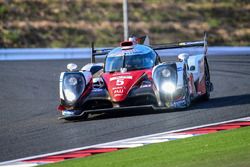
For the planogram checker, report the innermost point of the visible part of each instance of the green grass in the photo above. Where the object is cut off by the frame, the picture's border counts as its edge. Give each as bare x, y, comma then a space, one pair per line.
224, 149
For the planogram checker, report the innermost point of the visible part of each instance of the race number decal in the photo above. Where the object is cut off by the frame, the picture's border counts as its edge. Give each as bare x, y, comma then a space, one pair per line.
119, 82
120, 79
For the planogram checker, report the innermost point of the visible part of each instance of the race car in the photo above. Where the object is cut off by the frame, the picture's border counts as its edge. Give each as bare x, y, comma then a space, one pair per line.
133, 76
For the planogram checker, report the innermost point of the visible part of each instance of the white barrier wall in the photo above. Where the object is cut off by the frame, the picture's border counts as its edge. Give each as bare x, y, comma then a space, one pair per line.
44, 54
80, 53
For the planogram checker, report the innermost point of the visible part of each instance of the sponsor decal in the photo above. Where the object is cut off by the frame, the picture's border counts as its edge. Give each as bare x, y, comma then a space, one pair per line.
128, 52
179, 69
126, 73
168, 104
190, 86
120, 87
118, 91
132, 52
97, 90
121, 77
116, 54
116, 95
180, 102
145, 86
67, 113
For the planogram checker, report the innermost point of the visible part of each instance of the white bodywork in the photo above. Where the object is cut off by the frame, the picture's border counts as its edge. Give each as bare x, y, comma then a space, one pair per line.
88, 66
195, 69
196, 61
180, 66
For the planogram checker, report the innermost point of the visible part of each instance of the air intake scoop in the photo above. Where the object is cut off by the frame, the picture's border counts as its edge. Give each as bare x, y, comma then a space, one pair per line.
127, 45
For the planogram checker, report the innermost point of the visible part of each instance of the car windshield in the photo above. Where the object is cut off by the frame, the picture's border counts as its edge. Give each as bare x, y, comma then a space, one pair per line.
131, 62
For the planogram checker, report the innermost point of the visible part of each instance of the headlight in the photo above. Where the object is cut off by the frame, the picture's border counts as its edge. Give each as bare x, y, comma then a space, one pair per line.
70, 95
72, 81
73, 86
166, 73
168, 87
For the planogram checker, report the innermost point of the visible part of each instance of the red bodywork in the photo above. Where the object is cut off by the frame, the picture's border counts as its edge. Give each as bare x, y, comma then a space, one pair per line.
119, 84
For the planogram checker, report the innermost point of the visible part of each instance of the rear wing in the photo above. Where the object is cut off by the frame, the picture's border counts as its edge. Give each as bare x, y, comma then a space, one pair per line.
202, 43
145, 41
98, 52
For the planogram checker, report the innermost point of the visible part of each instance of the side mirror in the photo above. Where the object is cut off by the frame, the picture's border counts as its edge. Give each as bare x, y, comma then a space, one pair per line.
183, 57
72, 67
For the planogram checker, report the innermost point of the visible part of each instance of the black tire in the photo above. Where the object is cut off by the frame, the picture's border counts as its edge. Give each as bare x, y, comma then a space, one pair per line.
206, 96
186, 91
84, 117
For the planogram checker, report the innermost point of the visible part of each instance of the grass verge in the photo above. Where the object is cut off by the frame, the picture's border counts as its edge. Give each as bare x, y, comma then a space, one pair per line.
225, 149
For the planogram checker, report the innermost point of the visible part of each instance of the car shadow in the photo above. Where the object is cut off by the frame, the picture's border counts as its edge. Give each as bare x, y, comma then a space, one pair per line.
216, 102
219, 102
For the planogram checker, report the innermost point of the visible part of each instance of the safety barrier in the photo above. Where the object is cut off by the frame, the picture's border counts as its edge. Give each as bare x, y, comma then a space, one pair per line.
81, 53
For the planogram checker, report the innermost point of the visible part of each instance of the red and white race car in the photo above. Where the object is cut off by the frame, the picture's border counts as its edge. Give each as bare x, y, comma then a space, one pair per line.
133, 76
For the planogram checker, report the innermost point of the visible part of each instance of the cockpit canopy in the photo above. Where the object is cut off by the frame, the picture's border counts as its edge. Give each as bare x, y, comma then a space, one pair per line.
137, 58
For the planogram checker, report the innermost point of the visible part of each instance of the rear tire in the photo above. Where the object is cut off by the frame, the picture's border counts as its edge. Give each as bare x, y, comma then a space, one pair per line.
208, 83
186, 91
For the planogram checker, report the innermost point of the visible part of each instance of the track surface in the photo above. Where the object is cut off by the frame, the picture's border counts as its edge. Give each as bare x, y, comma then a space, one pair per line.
29, 96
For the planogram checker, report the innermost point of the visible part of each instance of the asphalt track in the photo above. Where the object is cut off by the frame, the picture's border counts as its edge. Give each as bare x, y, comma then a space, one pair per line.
29, 97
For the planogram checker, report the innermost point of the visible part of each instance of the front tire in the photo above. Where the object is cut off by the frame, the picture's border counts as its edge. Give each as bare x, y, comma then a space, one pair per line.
186, 91
82, 117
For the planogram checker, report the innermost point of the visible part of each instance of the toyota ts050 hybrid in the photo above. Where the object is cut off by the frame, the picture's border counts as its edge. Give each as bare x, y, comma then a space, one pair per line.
133, 76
